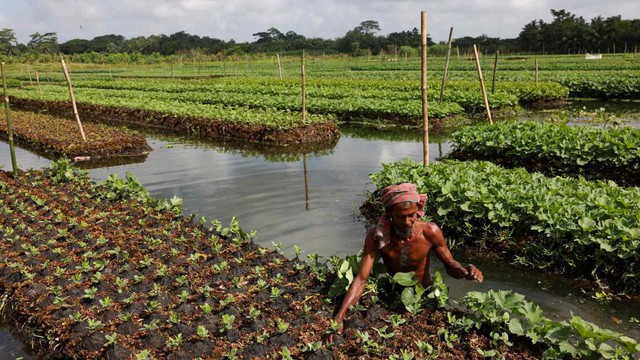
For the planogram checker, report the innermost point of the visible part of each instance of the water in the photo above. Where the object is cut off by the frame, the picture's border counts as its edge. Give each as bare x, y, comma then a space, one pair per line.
312, 200
10, 348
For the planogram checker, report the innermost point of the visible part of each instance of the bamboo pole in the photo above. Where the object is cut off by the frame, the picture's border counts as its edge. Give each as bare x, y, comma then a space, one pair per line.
495, 70
304, 90
38, 82
73, 99
30, 78
536, 62
423, 88
279, 66
446, 66
14, 164
484, 90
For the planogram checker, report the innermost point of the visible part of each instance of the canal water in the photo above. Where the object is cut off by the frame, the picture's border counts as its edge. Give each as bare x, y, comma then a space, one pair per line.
311, 200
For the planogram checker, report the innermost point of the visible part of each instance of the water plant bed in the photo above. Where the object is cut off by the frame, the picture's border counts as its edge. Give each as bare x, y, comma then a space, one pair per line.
56, 136
105, 271
555, 149
313, 132
586, 229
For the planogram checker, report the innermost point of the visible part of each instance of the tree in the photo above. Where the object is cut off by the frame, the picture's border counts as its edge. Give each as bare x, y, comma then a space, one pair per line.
361, 39
46, 43
368, 27
7, 41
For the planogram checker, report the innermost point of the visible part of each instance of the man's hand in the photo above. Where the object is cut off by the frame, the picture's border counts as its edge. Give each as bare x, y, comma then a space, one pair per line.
473, 273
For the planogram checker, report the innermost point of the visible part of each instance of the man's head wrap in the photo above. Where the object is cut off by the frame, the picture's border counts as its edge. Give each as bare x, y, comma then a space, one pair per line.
392, 195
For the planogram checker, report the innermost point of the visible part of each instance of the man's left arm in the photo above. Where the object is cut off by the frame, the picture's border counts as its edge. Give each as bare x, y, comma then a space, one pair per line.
434, 235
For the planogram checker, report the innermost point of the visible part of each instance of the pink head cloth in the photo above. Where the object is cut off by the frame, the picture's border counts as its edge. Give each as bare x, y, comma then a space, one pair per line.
397, 194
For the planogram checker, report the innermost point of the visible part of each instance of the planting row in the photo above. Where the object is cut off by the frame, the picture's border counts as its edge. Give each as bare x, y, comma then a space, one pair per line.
55, 137
120, 111
555, 149
236, 100
584, 229
105, 271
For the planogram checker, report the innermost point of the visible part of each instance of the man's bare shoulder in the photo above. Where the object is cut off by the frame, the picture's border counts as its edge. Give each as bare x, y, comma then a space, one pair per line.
429, 230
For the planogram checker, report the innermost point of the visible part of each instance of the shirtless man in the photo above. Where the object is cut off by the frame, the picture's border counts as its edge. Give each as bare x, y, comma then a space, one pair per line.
404, 244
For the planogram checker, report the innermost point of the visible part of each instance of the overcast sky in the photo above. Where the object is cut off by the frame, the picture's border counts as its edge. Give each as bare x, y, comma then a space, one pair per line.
239, 19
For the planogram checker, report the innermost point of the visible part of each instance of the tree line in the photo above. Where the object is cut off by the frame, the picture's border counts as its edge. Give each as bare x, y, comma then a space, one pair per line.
566, 33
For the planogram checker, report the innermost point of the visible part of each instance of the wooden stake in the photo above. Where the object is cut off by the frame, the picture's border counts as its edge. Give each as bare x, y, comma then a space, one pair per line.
484, 90
38, 82
446, 67
304, 90
536, 62
495, 70
425, 104
9, 123
30, 79
73, 99
279, 66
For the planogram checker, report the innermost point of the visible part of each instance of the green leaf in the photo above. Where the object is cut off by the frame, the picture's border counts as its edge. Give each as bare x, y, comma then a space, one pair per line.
405, 279
587, 224
515, 326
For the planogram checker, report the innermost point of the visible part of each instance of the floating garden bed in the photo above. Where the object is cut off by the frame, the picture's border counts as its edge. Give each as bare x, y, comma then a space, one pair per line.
384, 101
187, 122
105, 271
586, 229
555, 149
55, 137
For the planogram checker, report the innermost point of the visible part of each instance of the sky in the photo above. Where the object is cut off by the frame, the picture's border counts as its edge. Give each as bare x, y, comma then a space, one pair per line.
328, 19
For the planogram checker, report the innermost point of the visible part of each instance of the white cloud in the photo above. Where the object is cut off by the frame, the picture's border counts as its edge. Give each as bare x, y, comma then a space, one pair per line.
239, 19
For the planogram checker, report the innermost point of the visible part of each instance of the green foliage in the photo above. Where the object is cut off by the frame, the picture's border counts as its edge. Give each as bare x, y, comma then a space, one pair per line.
580, 227
115, 188
62, 171
504, 310
562, 148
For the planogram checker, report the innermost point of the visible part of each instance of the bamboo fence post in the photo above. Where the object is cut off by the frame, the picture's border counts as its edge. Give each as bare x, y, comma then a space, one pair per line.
14, 164
446, 67
279, 66
423, 88
38, 82
73, 99
495, 69
484, 90
304, 90
536, 64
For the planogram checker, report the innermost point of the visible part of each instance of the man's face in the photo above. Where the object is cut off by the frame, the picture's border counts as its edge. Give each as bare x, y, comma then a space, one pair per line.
403, 216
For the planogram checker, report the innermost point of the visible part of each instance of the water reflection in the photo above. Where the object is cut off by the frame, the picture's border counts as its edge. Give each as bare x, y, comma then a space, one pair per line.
306, 182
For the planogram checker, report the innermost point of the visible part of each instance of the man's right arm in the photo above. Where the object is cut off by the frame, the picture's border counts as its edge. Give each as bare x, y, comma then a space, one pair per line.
360, 281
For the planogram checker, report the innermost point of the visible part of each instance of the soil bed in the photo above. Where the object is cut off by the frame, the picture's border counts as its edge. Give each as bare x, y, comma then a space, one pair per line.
55, 137
191, 126
105, 271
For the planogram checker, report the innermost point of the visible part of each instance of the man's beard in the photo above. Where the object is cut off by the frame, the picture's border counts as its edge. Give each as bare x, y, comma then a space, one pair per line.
405, 234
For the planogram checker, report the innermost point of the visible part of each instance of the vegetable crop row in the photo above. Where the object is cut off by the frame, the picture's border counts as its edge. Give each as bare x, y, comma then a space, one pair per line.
574, 226
556, 149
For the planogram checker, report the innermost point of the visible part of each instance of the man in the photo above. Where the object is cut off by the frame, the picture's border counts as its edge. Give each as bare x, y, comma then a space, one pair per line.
404, 244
